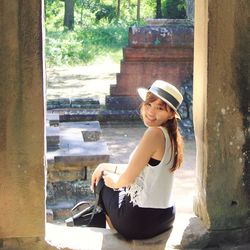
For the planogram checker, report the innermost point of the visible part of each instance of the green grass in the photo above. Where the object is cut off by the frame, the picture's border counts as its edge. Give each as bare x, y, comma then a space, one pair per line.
83, 46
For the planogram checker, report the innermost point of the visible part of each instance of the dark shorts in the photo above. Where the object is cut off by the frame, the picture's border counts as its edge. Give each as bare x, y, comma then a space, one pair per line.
134, 222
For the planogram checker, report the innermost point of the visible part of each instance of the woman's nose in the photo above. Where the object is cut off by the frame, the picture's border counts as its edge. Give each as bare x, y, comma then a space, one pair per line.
151, 110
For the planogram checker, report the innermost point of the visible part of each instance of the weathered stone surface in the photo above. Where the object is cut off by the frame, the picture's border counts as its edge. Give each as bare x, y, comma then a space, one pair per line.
52, 137
84, 103
65, 194
127, 83
22, 123
126, 102
221, 111
91, 131
72, 103
74, 152
52, 119
49, 215
155, 52
196, 236
58, 103
175, 34
55, 175
100, 115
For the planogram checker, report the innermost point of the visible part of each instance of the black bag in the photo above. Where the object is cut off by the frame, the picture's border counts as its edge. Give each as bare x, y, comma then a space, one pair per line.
92, 216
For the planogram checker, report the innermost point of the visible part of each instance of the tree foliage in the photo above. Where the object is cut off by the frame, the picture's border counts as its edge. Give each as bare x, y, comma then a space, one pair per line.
97, 27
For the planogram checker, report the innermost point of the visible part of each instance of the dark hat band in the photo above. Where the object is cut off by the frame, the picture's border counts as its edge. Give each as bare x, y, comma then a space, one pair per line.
166, 96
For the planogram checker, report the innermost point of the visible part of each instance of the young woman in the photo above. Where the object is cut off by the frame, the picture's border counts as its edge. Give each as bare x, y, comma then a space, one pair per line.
137, 197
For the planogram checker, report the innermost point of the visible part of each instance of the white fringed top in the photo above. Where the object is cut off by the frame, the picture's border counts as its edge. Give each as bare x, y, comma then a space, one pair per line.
153, 187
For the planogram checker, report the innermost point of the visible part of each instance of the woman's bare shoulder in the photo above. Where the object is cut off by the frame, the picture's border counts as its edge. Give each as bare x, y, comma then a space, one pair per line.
154, 133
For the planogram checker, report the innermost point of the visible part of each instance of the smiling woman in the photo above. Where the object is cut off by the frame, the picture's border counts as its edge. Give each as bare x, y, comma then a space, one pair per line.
137, 197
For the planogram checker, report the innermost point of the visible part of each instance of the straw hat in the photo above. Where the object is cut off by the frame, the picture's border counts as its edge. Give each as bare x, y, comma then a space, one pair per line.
166, 92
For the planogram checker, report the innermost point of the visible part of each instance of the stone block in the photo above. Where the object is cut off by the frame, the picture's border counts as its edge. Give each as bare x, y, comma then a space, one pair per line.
170, 35
63, 195
84, 103
91, 131
101, 115
158, 54
53, 119
55, 175
52, 137
49, 215
74, 152
122, 102
58, 103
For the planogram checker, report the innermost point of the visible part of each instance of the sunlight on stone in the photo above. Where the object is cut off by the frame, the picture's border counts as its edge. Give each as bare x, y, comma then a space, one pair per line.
73, 237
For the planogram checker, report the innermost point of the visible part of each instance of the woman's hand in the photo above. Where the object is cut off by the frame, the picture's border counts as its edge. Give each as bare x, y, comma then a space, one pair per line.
110, 179
97, 174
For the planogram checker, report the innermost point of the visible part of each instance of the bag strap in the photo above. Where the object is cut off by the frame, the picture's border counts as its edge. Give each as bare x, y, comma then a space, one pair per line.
79, 204
97, 190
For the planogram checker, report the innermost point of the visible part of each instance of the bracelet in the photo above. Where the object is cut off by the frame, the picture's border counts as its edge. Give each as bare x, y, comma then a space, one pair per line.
115, 169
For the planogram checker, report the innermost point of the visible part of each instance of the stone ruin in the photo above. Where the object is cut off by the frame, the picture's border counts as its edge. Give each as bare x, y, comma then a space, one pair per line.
74, 149
163, 49
221, 122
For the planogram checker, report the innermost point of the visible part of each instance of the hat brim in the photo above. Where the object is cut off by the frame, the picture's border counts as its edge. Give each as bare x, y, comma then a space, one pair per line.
143, 94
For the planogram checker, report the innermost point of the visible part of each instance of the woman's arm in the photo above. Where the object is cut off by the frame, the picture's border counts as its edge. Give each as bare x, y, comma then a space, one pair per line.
152, 142
116, 169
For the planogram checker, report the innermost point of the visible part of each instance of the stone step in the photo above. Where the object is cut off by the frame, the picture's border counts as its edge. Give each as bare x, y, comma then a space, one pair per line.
73, 103
103, 116
106, 239
129, 67
73, 152
158, 54
78, 155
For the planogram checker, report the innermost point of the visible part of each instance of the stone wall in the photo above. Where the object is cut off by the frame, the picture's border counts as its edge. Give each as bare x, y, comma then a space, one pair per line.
221, 117
22, 149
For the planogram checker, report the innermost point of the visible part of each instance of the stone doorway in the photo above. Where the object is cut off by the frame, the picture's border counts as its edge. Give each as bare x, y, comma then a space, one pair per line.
221, 116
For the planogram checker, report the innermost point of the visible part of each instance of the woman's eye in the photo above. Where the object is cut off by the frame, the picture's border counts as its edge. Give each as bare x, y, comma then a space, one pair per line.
160, 108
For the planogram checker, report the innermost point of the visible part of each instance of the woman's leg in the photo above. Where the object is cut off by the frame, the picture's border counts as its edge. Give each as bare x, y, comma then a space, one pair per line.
109, 222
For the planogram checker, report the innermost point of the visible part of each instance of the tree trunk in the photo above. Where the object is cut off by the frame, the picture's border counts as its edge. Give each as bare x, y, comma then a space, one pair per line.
118, 8
138, 9
69, 14
158, 9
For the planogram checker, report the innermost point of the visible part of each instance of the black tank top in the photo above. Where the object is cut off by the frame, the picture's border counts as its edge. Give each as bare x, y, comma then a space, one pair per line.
153, 162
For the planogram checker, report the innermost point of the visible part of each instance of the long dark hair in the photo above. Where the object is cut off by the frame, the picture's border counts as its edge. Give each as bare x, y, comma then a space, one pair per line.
174, 134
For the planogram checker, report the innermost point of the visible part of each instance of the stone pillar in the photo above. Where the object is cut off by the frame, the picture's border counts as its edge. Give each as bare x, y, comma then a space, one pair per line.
22, 195
221, 117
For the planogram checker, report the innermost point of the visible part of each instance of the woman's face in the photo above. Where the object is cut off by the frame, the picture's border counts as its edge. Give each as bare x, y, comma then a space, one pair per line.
155, 112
